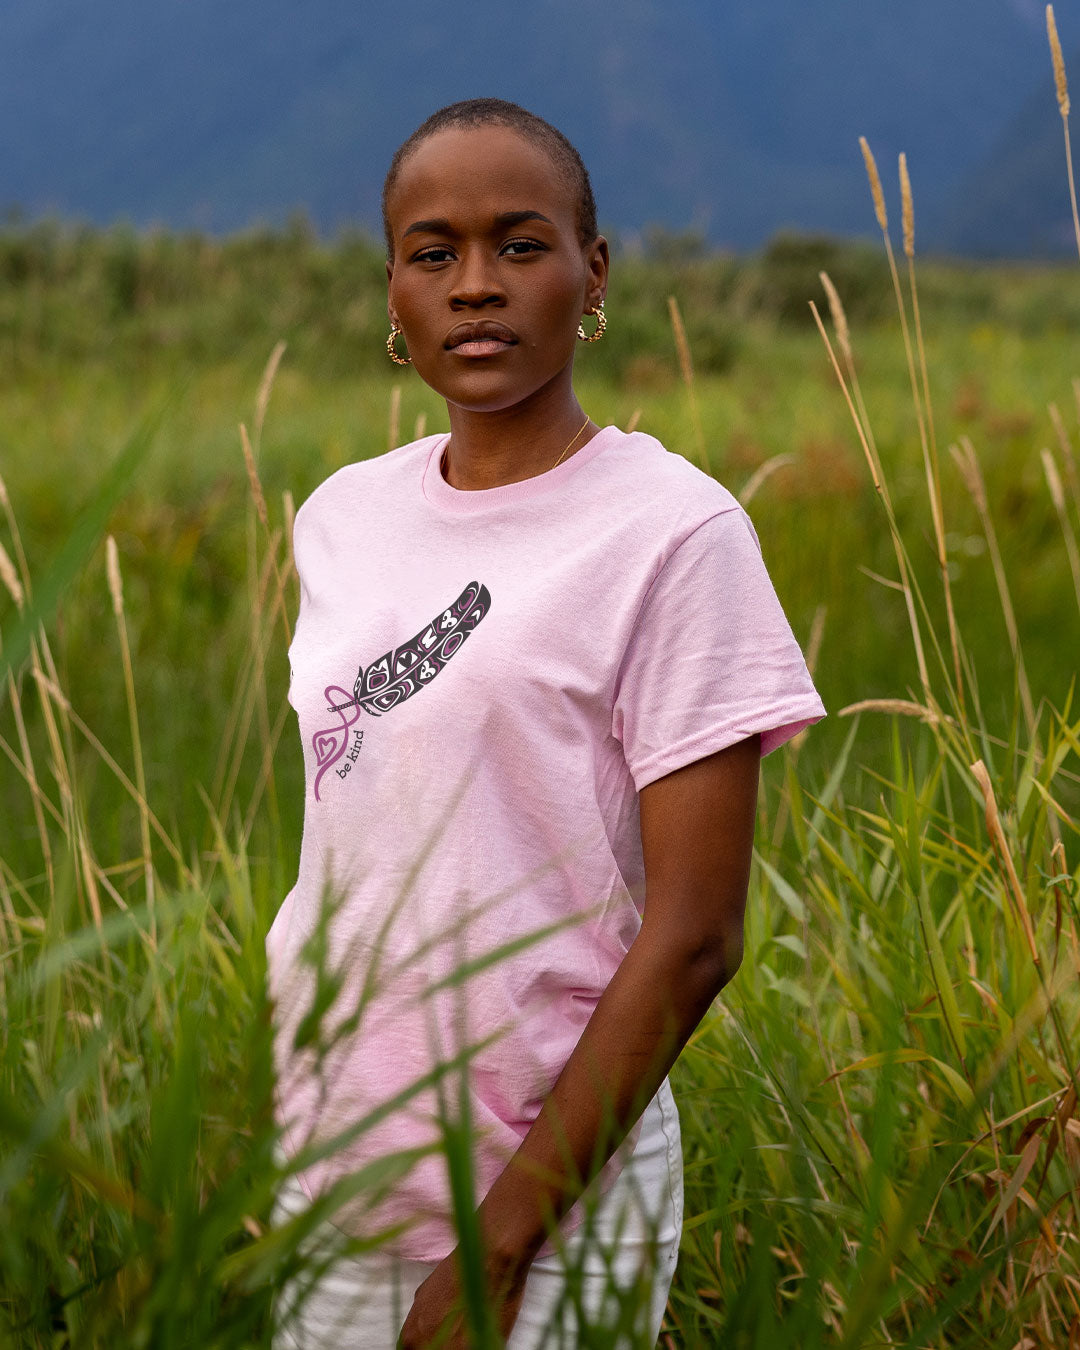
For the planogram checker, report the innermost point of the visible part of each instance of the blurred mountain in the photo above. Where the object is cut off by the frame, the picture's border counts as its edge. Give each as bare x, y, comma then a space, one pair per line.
1015, 201
733, 120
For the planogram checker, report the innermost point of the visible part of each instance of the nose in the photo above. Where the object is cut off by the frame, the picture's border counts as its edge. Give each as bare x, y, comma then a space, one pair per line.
476, 282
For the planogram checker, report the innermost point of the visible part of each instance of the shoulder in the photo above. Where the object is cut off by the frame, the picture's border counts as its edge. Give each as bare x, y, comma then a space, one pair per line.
364, 482
663, 491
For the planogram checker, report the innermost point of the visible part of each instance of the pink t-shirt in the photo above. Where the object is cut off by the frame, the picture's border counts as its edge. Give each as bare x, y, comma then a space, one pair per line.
484, 682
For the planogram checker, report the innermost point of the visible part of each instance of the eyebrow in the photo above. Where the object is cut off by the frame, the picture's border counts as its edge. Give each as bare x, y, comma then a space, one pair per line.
441, 225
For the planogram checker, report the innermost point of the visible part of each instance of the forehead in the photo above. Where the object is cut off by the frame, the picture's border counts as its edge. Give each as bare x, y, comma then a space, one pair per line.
470, 171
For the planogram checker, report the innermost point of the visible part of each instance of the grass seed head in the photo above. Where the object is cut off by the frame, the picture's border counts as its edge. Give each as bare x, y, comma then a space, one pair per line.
112, 571
875, 184
1053, 480
908, 207
10, 578
839, 318
262, 399
682, 345
289, 508
1059, 62
253, 476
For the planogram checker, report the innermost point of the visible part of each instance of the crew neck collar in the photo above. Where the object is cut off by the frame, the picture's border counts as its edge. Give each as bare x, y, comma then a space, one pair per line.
465, 502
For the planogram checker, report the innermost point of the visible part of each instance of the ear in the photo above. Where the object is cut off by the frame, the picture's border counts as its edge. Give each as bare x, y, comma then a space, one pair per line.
597, 262
389, 279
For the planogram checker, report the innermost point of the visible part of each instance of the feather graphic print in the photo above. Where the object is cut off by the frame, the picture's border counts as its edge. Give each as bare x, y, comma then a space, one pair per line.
398, 674
402, 672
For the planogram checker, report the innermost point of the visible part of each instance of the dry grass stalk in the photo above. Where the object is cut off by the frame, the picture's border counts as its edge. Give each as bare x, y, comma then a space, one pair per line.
843, 334
1067, 456
871, 457
263, 514
813, 651
251, 684
686, 369
289, 509
1057, 496
393, 429
40, 800
1059, 62
112, 573
266, 768
761, 475
60, 698
262, 398
1060, 872
16, 537
116, 590
1049, 990
817, 636
253, 478
20, 590
682, 345
927, 434
261, 630
420, 426
839, 318
10, 578
875, 184
251, 679
879, 208
1001, 848
54, 717
968, 463
899, 706
882, 490
634, 421
239, 704
67, 818
90, 882
24, 761
1062, 87
908, 207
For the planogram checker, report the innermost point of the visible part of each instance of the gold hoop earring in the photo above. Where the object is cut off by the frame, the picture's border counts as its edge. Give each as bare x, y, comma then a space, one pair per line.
397, 360
601, 323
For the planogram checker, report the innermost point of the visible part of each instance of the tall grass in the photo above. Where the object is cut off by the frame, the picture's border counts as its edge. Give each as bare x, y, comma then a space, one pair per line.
881, 1115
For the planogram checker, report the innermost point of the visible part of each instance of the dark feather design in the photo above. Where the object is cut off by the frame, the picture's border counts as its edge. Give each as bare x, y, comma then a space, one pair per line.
401, 672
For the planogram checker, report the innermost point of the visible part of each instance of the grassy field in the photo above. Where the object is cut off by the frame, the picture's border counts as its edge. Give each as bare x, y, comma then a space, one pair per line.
880, 1116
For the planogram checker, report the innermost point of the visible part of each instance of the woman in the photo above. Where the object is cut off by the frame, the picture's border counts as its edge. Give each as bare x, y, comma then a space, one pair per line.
535, 667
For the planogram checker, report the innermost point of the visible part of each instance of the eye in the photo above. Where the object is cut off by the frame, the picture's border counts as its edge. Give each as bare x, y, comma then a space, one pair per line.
437, 253
517, 247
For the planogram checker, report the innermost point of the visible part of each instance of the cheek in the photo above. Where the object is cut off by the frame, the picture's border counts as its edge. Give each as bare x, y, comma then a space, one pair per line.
560, 306
407, 303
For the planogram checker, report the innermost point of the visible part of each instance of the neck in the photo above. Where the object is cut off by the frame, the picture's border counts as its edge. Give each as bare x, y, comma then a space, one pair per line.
491, 449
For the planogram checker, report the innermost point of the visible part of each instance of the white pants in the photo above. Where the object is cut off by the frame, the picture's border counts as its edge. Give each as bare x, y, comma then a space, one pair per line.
626, 1258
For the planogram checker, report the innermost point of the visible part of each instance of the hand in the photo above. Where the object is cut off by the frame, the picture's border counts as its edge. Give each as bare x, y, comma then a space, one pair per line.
437, 1316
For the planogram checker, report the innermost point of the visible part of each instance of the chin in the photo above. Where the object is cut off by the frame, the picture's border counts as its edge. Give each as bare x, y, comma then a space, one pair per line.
491, 390
480, 394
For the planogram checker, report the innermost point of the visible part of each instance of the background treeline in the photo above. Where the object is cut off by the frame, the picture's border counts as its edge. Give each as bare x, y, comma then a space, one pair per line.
76, 291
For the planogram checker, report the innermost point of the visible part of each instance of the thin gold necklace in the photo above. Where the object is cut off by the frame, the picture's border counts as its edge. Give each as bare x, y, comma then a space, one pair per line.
444, 462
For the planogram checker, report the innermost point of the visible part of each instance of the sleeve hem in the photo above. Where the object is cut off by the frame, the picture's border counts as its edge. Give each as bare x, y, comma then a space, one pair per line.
775, 727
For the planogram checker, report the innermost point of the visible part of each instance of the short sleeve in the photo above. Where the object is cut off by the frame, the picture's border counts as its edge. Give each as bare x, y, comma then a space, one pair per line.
712, 658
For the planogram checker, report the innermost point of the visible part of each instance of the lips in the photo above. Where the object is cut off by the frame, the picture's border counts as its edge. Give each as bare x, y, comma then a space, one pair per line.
480, 338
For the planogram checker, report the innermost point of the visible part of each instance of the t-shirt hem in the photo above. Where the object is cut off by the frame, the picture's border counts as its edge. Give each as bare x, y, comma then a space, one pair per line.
775, 728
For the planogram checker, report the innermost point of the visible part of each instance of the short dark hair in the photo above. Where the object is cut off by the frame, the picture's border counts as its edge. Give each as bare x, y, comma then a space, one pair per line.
481, 112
